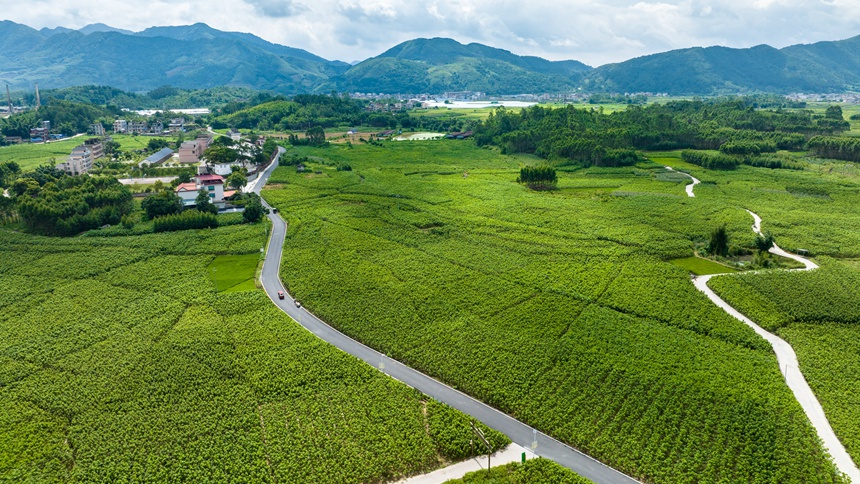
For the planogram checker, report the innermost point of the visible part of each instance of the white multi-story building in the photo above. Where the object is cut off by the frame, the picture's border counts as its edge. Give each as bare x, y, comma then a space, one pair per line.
120, 126
139, 127
79, 161
96, 148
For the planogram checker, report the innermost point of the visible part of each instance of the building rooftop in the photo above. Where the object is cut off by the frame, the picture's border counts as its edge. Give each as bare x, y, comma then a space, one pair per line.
159, 155
187, 187
215, 179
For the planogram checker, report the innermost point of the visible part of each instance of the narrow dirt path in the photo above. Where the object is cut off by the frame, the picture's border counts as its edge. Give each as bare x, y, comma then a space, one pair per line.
689, 187
788, 365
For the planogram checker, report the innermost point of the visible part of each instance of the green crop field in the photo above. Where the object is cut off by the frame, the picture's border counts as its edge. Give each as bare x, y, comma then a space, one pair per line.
234, 272
29, 156
560, 307
120, 363
702, 267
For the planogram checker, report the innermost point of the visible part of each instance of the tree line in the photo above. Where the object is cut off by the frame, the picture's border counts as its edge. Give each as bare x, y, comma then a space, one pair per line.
588, 137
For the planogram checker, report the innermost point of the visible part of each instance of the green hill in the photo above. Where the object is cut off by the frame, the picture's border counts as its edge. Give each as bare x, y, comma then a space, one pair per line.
820, 67
199, 57
438, 65
189, 57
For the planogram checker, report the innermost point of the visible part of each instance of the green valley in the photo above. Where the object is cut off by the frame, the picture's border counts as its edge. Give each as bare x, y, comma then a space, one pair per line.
558, 307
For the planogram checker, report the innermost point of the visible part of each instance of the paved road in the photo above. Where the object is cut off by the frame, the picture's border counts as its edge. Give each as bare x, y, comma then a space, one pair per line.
517, 431
789, 367
689, 187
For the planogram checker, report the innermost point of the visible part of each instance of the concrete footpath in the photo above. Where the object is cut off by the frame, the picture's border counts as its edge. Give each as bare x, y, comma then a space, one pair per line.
511, 453
788, 365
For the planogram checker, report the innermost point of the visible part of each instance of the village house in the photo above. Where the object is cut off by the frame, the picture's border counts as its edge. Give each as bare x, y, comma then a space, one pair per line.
176, 125
138, 127
212, 184
120, 126
191, 151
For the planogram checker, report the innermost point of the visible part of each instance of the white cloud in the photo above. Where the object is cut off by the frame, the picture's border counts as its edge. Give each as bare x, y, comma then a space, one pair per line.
593, 32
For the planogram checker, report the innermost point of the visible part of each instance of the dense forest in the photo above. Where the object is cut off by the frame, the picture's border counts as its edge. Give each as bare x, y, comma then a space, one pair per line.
590, 137
303, 112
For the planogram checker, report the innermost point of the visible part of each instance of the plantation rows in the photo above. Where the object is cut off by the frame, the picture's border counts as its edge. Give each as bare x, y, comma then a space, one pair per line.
818, 313
556, 307
118, 363
776, 299
816, 209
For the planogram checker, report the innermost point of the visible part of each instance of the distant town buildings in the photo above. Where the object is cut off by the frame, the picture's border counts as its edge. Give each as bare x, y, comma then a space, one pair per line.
135, 127
42, 133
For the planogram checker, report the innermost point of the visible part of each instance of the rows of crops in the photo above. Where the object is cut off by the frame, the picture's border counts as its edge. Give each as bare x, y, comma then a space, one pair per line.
818, 313
557, 307
119, 363
534, 471
817, 209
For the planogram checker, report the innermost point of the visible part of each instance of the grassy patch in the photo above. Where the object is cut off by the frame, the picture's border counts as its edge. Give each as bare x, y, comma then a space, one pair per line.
701, 267
29, 156
233, 272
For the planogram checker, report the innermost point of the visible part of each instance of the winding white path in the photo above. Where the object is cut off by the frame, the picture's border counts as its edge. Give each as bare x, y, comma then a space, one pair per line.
689, 187
788, 364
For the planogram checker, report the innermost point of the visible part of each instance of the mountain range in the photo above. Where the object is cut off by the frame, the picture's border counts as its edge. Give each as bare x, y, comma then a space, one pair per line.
198, 56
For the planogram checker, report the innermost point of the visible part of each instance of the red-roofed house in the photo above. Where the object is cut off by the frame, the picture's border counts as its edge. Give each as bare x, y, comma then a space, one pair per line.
213, 184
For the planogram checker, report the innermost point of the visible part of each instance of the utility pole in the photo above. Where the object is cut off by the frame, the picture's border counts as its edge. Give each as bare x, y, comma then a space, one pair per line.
482, 439
9, 97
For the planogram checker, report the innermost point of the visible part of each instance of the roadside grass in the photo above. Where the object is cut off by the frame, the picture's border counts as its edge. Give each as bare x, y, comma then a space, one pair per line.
537, 471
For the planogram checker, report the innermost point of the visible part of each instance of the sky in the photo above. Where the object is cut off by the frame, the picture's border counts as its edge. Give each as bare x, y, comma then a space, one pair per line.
596, 33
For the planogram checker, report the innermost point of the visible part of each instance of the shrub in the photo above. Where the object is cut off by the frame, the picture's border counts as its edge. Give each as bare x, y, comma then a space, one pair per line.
189, 219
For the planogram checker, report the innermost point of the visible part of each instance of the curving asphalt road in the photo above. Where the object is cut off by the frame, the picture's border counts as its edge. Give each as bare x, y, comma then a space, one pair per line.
788, 365
517, 431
